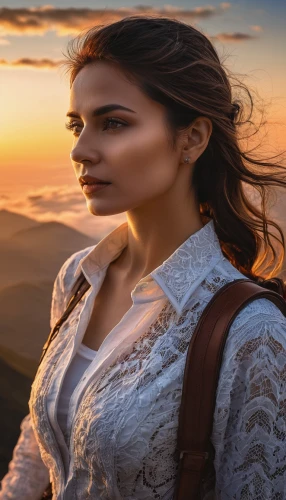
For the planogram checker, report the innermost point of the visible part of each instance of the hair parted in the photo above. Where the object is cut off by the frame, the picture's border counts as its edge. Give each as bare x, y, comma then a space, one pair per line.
176, 65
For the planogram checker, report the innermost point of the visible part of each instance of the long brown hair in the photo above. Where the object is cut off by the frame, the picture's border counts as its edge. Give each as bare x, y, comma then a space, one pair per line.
176, 65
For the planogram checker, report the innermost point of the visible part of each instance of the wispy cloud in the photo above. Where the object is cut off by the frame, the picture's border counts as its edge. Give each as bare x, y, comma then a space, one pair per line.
64, 204
233, 37
25, 62
39, 20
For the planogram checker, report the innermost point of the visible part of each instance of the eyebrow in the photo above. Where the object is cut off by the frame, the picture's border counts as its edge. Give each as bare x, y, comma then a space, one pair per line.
101, 111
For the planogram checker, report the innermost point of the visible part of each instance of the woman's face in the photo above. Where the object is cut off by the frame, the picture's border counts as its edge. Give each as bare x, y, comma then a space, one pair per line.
129, 149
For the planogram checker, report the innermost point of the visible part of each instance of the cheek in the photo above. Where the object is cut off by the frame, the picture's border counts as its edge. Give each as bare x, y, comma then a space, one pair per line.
145, 177
143, 161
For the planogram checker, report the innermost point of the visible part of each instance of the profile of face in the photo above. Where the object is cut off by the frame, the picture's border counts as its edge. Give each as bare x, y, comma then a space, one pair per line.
127, 148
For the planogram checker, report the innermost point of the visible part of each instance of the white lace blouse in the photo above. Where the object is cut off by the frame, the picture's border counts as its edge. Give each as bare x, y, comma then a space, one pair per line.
123, 414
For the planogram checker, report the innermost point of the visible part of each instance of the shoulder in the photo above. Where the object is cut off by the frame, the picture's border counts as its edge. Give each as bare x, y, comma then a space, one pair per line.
257, 336
254, 357
259, 323
255, 348
64, 282
259, 320
249, 418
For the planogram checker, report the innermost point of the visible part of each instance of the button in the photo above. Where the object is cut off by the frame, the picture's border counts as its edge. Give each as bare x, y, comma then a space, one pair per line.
142, 286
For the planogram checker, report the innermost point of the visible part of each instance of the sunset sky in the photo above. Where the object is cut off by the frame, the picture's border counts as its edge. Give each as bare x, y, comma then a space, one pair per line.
36, 174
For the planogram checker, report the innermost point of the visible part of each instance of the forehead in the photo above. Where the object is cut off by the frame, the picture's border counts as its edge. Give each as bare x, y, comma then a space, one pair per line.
101, 83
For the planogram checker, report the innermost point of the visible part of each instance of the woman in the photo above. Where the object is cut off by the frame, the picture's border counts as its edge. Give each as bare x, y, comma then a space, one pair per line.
153, 118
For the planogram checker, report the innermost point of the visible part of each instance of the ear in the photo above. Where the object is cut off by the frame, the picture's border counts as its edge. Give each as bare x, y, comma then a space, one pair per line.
196, 138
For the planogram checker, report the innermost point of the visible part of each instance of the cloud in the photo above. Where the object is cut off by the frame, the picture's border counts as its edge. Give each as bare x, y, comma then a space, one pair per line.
39, 20
64, 21
225, 5
27, 62
64, 204
45, 63
233, 37
256, 28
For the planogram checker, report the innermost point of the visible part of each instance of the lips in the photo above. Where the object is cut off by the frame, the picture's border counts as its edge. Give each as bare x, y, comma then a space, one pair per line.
94, 183
90, 179
93, 188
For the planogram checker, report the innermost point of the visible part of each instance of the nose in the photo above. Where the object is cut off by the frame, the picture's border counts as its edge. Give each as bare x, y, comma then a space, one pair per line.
74, 156
77, 156
83, 151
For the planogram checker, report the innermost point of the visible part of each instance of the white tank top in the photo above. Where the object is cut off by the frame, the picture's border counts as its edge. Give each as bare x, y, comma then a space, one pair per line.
79, 364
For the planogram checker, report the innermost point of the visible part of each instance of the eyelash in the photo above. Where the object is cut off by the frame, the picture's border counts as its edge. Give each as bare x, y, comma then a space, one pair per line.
71, 125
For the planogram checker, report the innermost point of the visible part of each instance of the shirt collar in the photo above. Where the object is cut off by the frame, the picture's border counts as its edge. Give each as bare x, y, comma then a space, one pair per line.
178, 276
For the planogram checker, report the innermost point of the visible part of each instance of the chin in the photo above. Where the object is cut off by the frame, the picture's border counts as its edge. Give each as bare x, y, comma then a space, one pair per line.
101, 210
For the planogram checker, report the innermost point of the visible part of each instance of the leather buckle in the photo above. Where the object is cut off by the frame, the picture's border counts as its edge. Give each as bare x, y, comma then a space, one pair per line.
193, 460
203, 454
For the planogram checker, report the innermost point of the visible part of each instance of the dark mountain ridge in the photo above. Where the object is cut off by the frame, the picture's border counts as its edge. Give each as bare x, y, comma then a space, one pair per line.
15, 391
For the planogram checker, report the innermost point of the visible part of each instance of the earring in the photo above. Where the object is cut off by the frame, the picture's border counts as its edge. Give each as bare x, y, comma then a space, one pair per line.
187, 160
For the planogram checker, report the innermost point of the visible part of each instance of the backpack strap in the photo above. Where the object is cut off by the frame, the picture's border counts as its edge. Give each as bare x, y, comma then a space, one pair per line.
201, 376
79, 288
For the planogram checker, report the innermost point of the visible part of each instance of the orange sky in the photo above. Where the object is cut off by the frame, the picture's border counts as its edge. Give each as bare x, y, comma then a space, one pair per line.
34, 144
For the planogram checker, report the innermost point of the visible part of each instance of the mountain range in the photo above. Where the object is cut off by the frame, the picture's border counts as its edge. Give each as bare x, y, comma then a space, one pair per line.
30, 258
33, 251
31, 254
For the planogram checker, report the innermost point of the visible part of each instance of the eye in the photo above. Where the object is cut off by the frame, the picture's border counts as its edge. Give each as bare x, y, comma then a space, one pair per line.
74, 126
112, 120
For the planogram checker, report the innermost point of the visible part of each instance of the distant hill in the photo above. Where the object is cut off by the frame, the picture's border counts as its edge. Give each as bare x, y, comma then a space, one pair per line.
47, 235
12, 222
22, 264
31, 254
29, 262
25, 318
37, 253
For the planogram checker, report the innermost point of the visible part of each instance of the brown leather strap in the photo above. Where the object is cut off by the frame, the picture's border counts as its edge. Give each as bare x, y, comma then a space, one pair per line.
80, 287
201, 378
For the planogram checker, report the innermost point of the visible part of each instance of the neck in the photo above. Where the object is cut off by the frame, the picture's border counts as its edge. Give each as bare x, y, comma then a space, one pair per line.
155, 232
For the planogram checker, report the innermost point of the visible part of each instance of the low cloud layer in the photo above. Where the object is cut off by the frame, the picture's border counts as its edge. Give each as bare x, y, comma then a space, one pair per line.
67, 205
234, 37
62, 204
39, 20
28, 62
